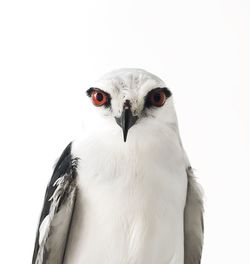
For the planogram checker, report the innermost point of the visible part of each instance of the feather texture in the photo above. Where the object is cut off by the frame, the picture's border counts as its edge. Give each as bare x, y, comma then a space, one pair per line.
57, 212
193, 221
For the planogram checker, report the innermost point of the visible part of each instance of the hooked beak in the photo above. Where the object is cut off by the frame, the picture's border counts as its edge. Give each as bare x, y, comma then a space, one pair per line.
126, 120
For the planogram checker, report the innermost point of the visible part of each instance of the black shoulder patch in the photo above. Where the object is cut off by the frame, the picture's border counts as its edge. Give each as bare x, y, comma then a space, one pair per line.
65, 165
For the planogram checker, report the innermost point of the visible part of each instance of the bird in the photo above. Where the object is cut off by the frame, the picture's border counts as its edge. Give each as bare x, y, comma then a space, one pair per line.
123, 191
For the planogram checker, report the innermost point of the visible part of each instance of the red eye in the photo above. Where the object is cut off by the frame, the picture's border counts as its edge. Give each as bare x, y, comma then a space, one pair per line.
157, 97
98, 98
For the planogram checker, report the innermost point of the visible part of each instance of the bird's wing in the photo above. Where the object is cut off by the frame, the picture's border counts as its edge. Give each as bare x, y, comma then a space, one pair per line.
193, 221
57, 212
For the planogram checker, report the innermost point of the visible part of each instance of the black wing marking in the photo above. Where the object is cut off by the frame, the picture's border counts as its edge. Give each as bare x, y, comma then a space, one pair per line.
57, 211
193, 221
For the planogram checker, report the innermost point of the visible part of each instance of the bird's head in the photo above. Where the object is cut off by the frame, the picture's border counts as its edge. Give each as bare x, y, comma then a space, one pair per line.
131, 98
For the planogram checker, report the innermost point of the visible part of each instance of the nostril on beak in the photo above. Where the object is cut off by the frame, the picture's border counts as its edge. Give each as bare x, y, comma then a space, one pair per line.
127, 105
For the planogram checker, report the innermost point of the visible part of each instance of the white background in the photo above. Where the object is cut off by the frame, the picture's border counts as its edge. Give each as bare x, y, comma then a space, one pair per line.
51, 50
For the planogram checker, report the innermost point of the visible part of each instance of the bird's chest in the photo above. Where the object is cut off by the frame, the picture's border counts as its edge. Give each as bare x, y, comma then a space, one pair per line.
129, 209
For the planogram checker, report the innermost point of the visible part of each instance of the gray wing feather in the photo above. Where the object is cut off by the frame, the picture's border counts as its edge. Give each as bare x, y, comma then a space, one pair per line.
55, 226
193, 221
55, 219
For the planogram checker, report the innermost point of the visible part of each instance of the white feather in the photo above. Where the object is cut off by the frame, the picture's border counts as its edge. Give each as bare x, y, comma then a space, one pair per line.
132, 195
43, 228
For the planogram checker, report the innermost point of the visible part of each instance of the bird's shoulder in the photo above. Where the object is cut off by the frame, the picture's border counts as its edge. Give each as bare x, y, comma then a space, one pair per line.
66, 165
59, 187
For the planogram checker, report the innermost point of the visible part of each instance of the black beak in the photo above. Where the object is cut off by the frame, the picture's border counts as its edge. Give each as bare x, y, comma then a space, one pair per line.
126, 120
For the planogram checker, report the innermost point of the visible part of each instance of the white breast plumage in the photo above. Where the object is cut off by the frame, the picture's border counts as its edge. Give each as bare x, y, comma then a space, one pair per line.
130, 203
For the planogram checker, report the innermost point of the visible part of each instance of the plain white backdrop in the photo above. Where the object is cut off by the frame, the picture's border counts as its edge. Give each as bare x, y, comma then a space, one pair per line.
50, 51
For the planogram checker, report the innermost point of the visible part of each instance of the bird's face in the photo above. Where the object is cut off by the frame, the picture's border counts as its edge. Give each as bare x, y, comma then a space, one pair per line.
132, 98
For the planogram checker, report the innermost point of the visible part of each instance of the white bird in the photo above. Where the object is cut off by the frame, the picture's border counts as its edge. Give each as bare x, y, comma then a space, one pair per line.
123, 198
